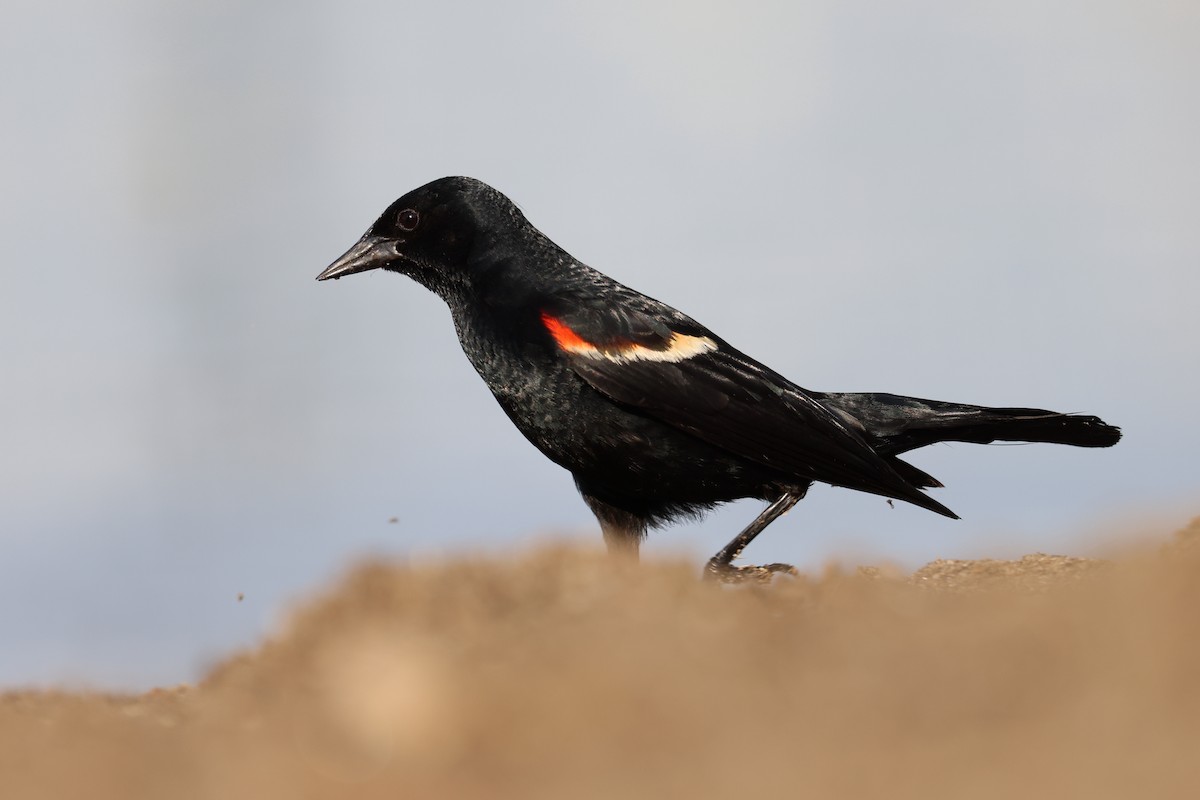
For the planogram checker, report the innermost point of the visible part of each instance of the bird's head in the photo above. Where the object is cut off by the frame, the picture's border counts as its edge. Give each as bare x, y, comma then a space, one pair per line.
430, 233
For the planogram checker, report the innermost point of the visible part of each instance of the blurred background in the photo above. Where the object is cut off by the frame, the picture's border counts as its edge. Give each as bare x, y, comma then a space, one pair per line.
994, 202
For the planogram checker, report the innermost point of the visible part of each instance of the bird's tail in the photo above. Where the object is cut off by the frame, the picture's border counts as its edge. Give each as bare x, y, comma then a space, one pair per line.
896, 424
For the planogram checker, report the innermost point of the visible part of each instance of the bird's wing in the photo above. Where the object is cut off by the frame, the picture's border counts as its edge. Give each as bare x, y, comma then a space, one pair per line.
682, 374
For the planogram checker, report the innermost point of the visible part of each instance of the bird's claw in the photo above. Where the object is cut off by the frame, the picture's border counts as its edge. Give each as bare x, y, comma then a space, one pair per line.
728, 573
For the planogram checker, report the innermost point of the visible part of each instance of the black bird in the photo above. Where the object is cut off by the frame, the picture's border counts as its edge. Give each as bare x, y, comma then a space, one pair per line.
656, 416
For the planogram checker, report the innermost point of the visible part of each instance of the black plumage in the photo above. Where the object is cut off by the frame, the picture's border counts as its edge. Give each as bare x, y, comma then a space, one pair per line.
655, 415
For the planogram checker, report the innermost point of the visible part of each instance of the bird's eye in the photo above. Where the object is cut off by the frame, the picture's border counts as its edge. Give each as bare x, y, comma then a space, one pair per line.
408, 219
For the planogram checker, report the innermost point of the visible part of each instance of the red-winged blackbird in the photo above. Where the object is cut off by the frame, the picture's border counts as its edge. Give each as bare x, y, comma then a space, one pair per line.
656, 416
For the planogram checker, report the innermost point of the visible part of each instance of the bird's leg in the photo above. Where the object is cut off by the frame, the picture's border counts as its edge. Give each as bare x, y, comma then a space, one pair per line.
622, 542
623, 532
720, 567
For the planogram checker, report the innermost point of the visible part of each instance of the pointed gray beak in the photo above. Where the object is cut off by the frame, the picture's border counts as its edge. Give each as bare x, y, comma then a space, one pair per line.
369, 252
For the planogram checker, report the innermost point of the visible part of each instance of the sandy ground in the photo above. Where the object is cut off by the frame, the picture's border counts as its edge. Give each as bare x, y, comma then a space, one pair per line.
560, 675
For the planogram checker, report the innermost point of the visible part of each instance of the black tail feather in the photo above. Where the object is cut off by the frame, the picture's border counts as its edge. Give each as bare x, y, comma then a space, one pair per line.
896, 424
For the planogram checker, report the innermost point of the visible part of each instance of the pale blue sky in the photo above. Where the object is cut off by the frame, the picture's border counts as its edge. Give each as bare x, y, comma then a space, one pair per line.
988, 202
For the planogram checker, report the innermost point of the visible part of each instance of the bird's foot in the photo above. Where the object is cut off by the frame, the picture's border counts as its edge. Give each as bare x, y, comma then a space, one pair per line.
727, 573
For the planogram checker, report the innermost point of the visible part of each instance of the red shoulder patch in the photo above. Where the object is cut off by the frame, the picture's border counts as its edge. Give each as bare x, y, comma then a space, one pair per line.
679, 347
566, 338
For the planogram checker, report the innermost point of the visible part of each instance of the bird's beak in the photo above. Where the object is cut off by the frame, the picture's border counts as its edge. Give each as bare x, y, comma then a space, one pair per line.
369, 252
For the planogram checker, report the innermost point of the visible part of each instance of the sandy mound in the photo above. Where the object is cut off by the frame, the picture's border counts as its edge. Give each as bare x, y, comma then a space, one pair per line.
561, 675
